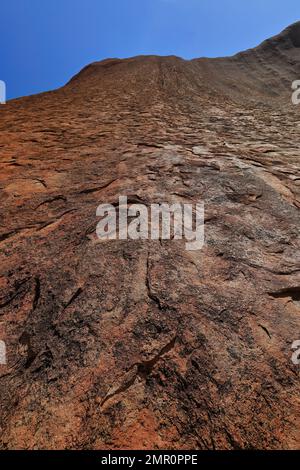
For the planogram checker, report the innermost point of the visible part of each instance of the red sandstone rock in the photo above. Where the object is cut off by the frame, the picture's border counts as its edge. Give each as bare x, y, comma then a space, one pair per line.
142, 344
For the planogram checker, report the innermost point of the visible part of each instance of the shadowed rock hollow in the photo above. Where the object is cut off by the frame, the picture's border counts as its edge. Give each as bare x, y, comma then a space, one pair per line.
142, 344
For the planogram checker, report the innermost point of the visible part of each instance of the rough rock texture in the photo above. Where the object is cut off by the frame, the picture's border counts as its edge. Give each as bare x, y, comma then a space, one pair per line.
142, 344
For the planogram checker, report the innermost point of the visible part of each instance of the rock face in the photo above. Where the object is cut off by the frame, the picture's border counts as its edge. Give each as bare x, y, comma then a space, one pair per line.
143, 344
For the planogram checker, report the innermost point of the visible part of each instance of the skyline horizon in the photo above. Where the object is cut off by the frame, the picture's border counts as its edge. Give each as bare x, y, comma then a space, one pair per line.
152, 55
52, 42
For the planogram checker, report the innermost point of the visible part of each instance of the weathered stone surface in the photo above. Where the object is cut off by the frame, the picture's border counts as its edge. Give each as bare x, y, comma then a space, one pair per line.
142, 344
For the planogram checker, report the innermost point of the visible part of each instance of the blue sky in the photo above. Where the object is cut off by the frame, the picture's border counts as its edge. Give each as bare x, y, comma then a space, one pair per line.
45, 42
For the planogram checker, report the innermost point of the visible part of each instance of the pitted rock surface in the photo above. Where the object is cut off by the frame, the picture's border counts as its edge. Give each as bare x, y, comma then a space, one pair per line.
143, 344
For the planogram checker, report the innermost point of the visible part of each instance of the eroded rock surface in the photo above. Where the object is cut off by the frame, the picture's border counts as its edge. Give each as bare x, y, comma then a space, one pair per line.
142, 344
